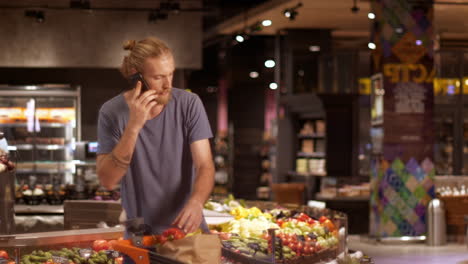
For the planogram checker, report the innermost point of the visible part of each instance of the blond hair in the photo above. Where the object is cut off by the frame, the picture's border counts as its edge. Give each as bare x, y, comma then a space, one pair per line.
139, 51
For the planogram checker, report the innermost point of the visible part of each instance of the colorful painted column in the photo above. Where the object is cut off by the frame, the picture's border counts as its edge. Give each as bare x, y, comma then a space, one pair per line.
402, 176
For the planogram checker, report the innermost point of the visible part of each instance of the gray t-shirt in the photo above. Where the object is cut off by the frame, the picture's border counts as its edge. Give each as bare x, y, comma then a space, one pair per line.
161, 174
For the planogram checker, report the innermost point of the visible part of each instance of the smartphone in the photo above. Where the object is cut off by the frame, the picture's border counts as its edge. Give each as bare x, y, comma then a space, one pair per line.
138, 77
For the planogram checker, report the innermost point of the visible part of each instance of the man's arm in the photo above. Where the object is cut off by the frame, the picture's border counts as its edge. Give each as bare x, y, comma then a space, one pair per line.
112, 167
190, 217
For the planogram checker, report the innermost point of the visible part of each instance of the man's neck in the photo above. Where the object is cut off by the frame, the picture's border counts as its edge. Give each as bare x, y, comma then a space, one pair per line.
156, 110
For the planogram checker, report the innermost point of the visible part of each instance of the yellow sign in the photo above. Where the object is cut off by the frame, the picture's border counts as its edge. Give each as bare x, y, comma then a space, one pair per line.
408, 73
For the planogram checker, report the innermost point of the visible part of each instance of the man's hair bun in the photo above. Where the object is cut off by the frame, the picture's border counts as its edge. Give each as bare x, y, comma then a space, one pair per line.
129, 45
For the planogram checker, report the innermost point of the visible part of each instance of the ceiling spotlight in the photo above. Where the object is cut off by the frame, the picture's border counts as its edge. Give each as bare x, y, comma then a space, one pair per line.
371, 15
36, 14
291, 13
355, 8
253, 74
273, 86
239, 38
270, 63
156, 15
371, 45
314, 48
266, 23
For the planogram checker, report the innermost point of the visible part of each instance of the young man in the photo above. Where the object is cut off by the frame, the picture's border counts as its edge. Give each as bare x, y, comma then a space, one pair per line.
156, 143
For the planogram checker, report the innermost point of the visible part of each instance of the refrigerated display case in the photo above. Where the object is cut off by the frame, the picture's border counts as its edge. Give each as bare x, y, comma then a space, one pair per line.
41, 124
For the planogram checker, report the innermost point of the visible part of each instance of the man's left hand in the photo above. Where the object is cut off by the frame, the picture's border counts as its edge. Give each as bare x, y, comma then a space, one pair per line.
190, 218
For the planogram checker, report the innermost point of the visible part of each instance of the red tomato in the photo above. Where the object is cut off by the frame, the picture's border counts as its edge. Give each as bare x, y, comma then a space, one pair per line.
280, 222
174, 233
323, 219
3, 254
293, 246
99, 245
307, 251
299, 246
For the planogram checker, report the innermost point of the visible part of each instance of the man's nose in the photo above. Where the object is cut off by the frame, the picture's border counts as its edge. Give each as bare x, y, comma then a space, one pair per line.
167, 82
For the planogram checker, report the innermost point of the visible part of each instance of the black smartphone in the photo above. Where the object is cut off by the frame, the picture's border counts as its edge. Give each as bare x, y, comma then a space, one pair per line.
138, 77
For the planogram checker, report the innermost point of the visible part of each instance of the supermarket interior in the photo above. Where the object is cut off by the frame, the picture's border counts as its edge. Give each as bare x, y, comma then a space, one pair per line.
339, 131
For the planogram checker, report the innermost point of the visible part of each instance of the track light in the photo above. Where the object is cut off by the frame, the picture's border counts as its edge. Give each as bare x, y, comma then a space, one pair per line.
36, 14
291, 13
239, 38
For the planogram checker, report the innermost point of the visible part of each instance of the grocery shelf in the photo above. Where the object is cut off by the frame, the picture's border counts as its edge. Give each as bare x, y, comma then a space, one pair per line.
307, 174
311, 154
23, 171
38, 209
342, 198
44, 124
39, 146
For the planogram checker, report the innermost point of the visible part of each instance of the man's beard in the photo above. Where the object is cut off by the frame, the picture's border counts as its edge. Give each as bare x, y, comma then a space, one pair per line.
165, 99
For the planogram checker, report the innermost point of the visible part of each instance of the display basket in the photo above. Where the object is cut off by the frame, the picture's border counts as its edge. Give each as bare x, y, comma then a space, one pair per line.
456, 207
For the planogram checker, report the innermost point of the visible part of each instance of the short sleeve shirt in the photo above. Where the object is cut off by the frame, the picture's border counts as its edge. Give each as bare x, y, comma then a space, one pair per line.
161, 174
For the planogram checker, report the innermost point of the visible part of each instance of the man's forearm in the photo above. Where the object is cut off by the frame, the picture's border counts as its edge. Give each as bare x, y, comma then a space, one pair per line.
203, 184
113, 166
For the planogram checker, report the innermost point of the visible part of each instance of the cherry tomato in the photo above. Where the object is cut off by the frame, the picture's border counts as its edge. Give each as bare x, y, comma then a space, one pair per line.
3, 254
174, 233
323, 219
99, 245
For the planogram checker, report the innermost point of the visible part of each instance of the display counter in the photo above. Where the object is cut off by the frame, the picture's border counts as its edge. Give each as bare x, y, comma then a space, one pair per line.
325, 230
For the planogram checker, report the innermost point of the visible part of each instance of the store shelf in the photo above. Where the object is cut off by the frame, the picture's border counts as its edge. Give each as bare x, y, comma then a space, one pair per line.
44, 167
39, 146
312, 136
40, 124
311, 155
342, 198
38, 209
49, 171
84, 162
308, 174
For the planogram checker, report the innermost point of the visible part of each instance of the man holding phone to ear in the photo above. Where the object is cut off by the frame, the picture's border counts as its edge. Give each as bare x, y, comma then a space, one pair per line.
155, 142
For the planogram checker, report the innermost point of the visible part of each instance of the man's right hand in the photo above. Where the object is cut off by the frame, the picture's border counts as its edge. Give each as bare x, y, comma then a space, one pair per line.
140, 105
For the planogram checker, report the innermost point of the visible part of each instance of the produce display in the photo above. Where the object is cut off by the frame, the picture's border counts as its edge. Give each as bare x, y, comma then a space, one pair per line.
298, 236
273, 234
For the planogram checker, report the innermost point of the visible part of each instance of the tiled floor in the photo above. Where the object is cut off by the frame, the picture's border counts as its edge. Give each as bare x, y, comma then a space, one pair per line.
410, 253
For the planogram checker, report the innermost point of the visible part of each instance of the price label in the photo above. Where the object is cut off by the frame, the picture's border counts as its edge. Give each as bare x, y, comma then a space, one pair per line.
112, 254
60, 260
85, 253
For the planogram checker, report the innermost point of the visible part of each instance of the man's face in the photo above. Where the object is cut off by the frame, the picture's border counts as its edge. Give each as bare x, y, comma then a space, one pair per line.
158, 73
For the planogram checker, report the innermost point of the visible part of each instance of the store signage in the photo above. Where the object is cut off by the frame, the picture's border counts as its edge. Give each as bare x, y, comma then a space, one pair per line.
417, 73
409, 49
409, 98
